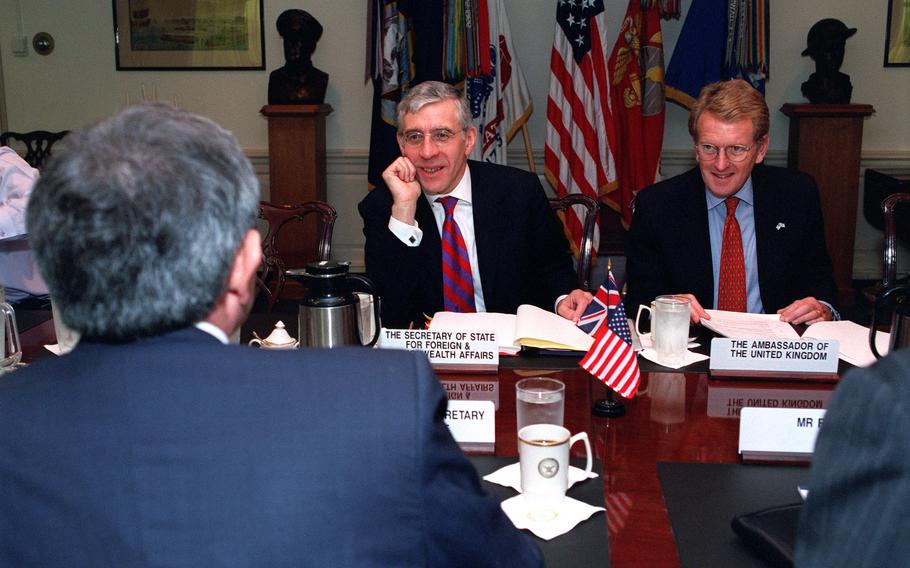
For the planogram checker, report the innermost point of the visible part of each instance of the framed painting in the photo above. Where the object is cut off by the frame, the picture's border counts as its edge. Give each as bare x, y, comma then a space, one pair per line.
897, 34
188, 35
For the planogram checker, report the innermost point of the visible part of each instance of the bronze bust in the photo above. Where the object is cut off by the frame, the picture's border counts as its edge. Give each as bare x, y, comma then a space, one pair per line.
825, 44
298, 82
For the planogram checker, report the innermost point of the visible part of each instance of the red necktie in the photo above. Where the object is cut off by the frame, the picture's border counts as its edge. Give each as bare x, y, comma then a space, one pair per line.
731, 287
457, 283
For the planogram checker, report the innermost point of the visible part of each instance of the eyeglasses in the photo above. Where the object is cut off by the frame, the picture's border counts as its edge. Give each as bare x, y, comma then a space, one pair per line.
734, 153
440, 137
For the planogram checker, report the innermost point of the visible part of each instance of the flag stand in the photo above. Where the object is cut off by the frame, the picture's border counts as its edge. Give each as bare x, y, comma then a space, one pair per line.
528, 150
608, 407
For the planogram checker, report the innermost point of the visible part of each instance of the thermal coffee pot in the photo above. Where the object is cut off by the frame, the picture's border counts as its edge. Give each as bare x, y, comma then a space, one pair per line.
329, 313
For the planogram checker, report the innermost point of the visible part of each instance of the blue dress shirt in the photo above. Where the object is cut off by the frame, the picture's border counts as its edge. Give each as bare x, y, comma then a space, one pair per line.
745, 215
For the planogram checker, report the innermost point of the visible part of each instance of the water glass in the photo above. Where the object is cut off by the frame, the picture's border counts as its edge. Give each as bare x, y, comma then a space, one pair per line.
539, 400
10, 350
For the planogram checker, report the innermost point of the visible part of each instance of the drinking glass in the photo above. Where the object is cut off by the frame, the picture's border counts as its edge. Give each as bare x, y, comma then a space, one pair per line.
10, 350
539, 400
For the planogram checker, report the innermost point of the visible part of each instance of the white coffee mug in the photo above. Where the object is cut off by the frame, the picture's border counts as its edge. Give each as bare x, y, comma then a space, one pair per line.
543, 451
669, 328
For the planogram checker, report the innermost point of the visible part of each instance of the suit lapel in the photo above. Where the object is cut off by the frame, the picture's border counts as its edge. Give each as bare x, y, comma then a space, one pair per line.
489, 214
431, 244
765, 214
701, 266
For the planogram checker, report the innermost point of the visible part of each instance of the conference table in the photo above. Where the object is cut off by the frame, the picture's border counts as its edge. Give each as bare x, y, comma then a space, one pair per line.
682, 423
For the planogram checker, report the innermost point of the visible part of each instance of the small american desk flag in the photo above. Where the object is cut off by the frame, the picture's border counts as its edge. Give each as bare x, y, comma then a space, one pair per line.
611, 358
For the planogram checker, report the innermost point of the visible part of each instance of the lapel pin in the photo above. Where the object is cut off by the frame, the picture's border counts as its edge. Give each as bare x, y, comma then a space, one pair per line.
780, 226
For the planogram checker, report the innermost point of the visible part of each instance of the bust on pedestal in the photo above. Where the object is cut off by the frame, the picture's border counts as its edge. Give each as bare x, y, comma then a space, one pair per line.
825, 44
298, 82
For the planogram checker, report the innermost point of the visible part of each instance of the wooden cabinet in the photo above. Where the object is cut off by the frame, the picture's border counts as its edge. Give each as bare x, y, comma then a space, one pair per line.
825, 141
297, 170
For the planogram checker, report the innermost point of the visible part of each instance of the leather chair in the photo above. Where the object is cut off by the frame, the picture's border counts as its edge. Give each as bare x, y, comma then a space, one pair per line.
272, 278
37, 143
592, 210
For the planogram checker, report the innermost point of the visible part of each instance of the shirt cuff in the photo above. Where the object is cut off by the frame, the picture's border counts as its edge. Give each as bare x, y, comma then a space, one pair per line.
410, 235
835, 315
559, 299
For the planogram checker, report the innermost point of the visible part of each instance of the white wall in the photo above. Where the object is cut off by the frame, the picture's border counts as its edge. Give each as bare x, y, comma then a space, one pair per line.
78, 83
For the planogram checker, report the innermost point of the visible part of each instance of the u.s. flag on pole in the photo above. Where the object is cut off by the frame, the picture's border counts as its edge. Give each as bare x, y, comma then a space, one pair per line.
577, 155
611, 358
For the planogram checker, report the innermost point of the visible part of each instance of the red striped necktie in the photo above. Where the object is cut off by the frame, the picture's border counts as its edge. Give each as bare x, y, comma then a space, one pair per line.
457, 283
731, 285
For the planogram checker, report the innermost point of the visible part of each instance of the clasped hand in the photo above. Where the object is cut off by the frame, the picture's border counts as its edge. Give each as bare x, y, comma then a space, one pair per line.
401, 179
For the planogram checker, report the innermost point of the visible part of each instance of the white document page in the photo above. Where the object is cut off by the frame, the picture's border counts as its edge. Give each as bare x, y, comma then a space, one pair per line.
853, 338
738, 325
540, 328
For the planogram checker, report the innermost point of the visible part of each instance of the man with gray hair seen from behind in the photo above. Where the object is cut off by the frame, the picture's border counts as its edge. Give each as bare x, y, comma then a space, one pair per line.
155, 443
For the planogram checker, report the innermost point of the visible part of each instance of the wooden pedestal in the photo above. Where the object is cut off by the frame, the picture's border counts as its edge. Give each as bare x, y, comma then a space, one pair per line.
825, 141
297, 171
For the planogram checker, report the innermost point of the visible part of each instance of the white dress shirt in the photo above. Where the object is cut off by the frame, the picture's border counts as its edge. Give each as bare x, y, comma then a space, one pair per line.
18, 271
412, 235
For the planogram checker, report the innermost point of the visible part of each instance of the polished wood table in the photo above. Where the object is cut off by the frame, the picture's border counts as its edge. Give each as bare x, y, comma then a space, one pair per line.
675, 417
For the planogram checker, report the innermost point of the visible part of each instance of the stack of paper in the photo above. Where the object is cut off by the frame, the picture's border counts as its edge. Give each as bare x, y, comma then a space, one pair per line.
853, 338
738, 325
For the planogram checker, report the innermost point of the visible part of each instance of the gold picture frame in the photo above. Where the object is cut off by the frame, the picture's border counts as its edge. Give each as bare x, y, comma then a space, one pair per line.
154, 35
897, 34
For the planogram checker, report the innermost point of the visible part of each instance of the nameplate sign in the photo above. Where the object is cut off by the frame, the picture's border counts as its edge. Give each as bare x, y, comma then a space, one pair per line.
472, 424
728, 402
462, 389
808, 358
448, 350
778, 434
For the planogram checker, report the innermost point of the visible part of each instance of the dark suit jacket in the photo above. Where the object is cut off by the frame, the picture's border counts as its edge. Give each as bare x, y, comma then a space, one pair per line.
179, 451
668, 247
858, 510
522, 253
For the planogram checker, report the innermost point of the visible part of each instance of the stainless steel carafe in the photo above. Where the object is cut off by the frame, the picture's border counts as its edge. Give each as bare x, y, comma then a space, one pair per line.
329, 314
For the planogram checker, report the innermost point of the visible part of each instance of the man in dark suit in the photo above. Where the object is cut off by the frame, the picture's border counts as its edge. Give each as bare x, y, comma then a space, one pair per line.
680, 227
155, 443
516, 252
858, 510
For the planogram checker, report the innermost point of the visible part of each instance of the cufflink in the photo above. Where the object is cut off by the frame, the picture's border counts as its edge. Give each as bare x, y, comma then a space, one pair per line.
780, 226
412, 239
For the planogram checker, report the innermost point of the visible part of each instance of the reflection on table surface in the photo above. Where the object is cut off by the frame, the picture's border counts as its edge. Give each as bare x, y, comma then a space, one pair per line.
683, 417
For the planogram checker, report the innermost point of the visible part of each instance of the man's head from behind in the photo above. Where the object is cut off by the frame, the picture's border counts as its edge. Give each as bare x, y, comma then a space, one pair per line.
137, 221
729, 126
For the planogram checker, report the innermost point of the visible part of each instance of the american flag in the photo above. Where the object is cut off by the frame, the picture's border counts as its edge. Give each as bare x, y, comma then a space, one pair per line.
611, 358
577, 156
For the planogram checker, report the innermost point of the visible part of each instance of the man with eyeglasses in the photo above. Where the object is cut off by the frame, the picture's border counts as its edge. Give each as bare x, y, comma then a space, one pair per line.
732, 234
445, 233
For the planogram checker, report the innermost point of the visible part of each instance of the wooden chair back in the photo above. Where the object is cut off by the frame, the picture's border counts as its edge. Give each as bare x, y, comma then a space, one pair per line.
37, 144
272, 278
592, 210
